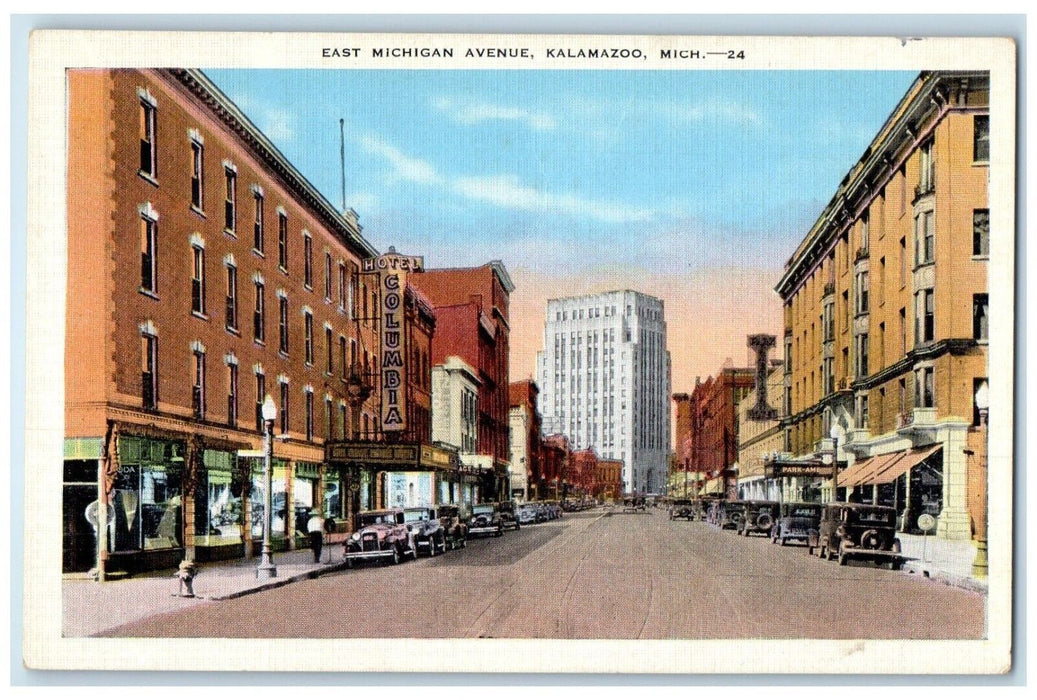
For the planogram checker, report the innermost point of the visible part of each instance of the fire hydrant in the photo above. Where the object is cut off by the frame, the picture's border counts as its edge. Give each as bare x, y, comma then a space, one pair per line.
186, 573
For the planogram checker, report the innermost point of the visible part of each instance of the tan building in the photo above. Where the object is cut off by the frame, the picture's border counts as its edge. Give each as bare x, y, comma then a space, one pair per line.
204, 273
886, 309
759, 441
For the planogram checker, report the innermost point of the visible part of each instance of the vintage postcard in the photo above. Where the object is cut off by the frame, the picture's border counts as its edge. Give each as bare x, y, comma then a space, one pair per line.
520, 353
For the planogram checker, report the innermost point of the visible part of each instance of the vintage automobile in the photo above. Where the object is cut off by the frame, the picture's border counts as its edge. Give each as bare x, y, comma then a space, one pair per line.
758, 517
455, 528
730, 515
508, 516
682, 508
527, 514
426, 530
485, 520
381, 534
796, 522
634, 504
858, 531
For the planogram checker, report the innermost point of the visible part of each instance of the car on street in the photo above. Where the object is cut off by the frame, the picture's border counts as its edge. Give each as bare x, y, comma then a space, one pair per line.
682, 508
634, 504
526, 513
508, 516
858, 531
381, 535
426, 530
758, 517
454, 524
798, 521
730, 515
485, 520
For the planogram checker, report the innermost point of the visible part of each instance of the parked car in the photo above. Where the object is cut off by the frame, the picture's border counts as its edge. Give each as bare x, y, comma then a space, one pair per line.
424, 527
527, 514
731, 514
758, 517
858, 531
634, 504
508, 517
455, 527
485, 520
381, 535
682, 508
796, 522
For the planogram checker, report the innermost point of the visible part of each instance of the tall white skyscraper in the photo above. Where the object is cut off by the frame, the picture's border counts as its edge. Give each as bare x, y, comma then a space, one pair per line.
604, 376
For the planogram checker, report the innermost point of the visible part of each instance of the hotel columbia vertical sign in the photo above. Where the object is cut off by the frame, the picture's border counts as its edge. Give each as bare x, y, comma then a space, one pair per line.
392, 270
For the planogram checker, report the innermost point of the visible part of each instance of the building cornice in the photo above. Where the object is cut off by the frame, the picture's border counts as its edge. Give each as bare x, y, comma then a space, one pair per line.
347, 228
928, 100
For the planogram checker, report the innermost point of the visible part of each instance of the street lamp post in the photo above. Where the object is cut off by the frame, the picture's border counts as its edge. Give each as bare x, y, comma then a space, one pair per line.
979, 566
834, 434
266, 568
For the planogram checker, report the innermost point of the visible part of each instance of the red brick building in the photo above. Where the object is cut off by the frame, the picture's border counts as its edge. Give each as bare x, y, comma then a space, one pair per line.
583, 472
471, 307
609, 481
555, 453
707, 441
204, 273
527, 479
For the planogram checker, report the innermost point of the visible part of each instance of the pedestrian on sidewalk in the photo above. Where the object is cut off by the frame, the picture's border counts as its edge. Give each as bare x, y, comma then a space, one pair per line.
329, 529
315, 528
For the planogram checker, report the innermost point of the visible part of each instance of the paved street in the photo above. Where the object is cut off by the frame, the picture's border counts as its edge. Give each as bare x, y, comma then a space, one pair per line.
596, 575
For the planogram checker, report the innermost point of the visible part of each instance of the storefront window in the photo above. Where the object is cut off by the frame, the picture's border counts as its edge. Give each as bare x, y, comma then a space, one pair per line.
278, 519
217, 504
147, 497
334, 502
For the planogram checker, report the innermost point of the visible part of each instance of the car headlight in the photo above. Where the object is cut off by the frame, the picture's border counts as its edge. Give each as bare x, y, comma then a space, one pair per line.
355, 537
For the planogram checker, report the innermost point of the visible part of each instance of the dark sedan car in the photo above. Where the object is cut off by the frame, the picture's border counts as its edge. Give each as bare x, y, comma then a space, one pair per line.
731, 514
798, 522
682, 508
758, 517
858, 531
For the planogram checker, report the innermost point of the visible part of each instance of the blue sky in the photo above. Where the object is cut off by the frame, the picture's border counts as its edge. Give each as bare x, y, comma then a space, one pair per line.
691, 186
463, 166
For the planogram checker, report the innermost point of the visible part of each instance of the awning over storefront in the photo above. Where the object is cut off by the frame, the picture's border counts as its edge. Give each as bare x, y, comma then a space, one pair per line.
851, 476
906, 461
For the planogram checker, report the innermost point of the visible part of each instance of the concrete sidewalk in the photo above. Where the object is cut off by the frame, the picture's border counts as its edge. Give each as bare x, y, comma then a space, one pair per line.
89, 607
946, 561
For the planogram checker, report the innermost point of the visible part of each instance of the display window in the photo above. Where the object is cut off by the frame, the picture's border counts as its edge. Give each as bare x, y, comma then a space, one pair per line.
147, 498
278, 519
217, 502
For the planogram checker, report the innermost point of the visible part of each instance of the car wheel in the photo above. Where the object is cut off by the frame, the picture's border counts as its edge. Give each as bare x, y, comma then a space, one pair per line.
349, 563
395, 555
464, 542
842, 555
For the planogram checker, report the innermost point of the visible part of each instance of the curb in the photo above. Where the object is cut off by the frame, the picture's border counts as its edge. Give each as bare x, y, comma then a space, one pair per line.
947, 579
277, 583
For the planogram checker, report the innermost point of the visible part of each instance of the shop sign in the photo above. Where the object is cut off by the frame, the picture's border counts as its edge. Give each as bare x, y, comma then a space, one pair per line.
372, 454
791, 469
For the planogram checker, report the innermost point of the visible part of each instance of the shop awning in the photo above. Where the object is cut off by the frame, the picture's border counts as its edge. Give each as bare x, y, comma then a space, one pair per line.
904, 463
867, 468
850, 476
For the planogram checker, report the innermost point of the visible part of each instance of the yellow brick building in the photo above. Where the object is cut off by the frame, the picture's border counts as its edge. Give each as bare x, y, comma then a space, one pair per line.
885, 304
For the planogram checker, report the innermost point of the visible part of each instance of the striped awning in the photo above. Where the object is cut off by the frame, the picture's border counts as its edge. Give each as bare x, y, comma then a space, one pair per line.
907, 461
850, 477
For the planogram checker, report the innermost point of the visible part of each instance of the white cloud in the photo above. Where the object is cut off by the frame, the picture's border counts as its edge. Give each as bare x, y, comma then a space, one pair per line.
507, 191
363, 202
404, 166
716, 108
474, 112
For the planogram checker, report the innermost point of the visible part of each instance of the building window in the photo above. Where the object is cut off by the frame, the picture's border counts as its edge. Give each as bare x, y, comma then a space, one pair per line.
979, 317
230, 204
981, 138
149, 370
341, 287
926, 177
882, 281
862, 412
862, 293
862, 355
307, 263
309, 413
351, 301
282, 240
148, 150
828, 322
308, 327
903, 331
232, 297
284, 408
981, 232
259, 314
925, 238
327, 276
329, 413
925, 330
329, 342
903, 262
977, 419
148, 255
342, 420
924, 387
198, 280
260, 397
232, 393
197, 174
257, 222
282, 303
198, 388
342, 355
864, 232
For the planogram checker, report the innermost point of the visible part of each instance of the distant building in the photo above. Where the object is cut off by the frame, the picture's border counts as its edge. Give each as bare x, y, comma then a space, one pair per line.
760, 442
471, 307
886, 311
455, 404
604, 375
526, 474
